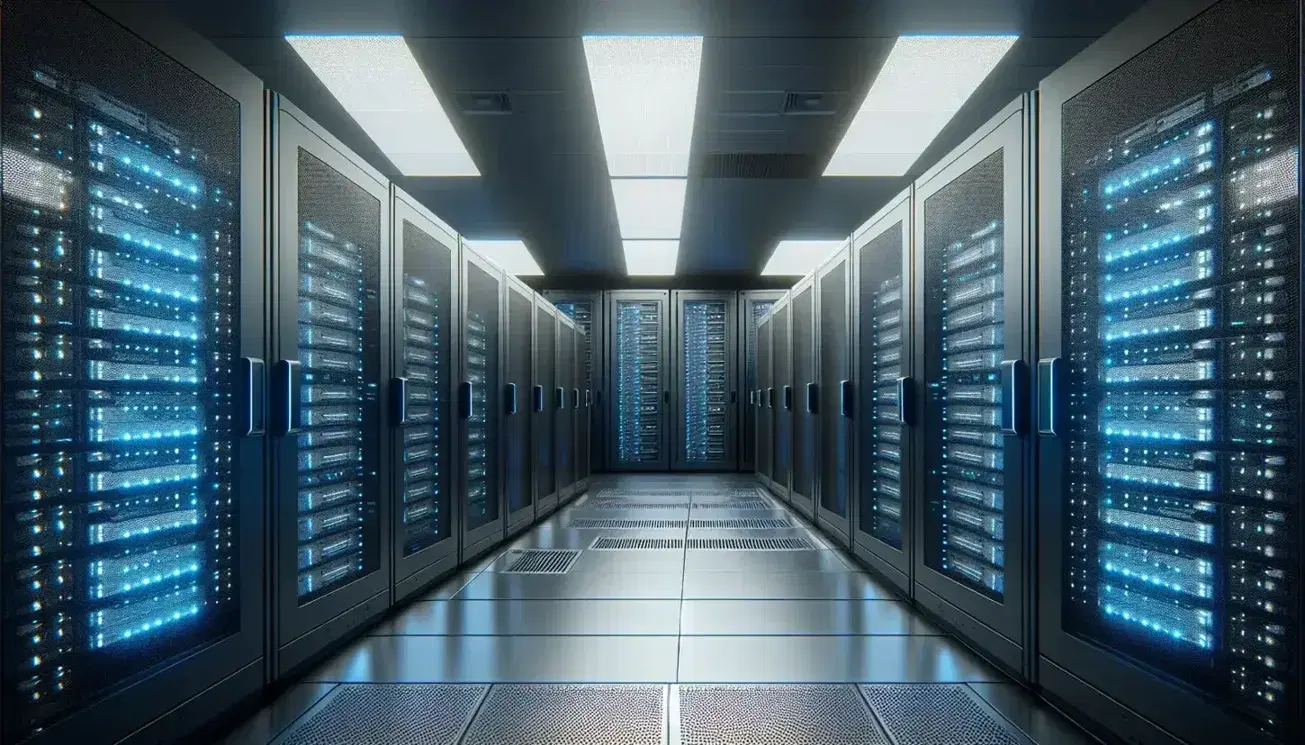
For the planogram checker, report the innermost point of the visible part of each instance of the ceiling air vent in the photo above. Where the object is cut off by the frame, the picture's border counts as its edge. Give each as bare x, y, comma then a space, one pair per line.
484, 102
757, 165
809, 103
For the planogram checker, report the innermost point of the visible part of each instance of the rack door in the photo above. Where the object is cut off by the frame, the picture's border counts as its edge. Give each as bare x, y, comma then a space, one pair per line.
586, 309
836, 395
805, 395
584, 418
518, 481
779, 396
332, 551
705, 397
971, 304
1169, 392
563, 418
541, 407
132, 327
425, 539
480, 401
759, 400
885, 391
753, 306
637, 327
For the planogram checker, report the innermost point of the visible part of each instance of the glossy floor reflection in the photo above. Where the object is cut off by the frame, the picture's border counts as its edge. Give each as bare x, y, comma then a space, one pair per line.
659, 641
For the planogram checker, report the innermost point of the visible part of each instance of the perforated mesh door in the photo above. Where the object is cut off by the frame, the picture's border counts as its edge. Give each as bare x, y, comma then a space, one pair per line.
425, 301
637, 360
752, 314
765, 413
835, 367
582, 312
881, 359
1181, 336
564, 417
541, 433
584, 417
705, 385
517, 423
121, 264
781, 362
805, 432
480, 345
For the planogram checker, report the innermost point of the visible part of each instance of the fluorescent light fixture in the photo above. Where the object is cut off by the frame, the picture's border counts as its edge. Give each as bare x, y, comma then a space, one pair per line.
379, 83
649, 208
920, 88
799, 258
511, 256
650, 258
645, 91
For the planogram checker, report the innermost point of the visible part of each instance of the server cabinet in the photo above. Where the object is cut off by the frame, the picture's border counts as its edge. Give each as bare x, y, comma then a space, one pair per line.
971, 300
759, 399
1169, 390
564, 416
541, 406
480, 402
705, 399
132, 267
637, 327
779, 396
584, 397
518, 354
424, 335
586, 309
884, 391
753, 306
805, 392
834, 482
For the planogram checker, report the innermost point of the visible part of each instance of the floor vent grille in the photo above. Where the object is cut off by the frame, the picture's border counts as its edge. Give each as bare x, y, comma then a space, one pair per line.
743, 523
937, 715
606, 543
618, 524
732, 504
751, 544
375, 714
621, 504
798, 714
556, 714
542, 561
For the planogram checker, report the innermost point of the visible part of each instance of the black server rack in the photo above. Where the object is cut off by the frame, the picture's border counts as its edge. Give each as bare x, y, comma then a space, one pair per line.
834, 373
1170, 387
425, 540
971, 305
705, 408
753, 306
779, 396
132, 269
759, 400
480, 404
586, 309
330, 244
563, 414
884, 391
542, 411
637, 328
803, 399
518, 352
584, 401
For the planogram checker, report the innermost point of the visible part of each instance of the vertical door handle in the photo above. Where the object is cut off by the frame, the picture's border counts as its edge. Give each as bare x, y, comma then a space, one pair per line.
253, 374
538, 392
845, 398
666, 397
465, 390
399, 401
1012, 397
734, 397
510, 397
575, 398
588, 398
788, 398
905, 401
1048, 389
770, 397
290, 407
752, 397
813, 405
559, 398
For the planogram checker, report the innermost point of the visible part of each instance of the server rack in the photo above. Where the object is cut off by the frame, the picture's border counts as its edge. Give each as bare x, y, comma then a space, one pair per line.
586, 309
1170, 386
779, 396
518, 352
637, 328
705, 399
541, 430
132, 422
753, 306
884, 392
802, 398
330, 244
564, 415
425, 541
972, 309
480, 404
759, 399
584, 397
835, 395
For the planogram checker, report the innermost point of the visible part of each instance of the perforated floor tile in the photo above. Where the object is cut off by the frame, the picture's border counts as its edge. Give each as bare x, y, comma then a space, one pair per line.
938, 715
571, 715
775, 715
541, 561
387, 714
607, 543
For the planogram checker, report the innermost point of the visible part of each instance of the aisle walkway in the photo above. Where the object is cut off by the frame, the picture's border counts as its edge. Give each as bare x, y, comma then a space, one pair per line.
658, 609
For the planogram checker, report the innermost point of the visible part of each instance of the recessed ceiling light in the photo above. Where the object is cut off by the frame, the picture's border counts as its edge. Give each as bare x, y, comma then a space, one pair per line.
645, 90
799, 258
379, 83
649, 208
511, 256
650, 258
920, 88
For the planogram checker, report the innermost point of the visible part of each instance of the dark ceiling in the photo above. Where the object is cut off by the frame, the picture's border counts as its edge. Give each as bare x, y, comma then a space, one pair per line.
755, 170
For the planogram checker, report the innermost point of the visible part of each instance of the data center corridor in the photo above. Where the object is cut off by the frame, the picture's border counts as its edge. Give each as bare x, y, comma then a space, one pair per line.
690, 609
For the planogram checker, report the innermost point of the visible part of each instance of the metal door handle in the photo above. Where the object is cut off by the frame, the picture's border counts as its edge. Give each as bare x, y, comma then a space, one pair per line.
1048, 388
559, 398
510, 394
905, 401
538, 392
291, 408
813, 405
752, 397
588, 398
254, 374
770, 397
845, 398
1012, 397
575, 398
465, 391
399, 400
734, 397
788, 398
666, 397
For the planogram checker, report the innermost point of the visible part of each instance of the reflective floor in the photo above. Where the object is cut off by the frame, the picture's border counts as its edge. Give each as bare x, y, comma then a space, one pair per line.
658, 609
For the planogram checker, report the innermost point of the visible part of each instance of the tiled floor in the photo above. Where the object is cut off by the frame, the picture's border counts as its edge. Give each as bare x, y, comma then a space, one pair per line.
676, 644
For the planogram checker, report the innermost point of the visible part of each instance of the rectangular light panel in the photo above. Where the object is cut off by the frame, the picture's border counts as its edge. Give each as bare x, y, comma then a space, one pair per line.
650, 258
511, 256
645, 90
649, 208
799, 258
920, 88
379, 83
